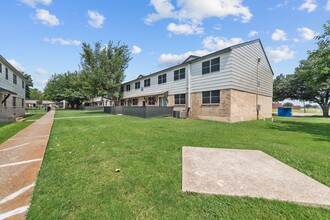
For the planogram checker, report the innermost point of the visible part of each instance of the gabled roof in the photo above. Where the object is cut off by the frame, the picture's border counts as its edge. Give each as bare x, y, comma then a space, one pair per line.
193, 58
190, 58
140, 76
6, 62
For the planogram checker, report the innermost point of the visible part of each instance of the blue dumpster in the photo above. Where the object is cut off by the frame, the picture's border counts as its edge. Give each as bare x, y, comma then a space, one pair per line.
284, 112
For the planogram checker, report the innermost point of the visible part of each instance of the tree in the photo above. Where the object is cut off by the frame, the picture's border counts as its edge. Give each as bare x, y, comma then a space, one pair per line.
36, 94
103, 69
67, 86
311, 79
28, 84
281, 87
308, 106
288, 104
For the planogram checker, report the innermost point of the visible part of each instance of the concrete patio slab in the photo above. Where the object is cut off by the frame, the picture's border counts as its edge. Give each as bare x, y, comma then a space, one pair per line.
248, 173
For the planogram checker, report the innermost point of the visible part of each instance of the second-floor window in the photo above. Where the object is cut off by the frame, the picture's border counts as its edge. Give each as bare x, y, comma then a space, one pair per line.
180, 74
162, 79
122, 89
23, 84
14, 79
137, 85
146, 82
211, 66
6, 73
0, 67
128, 88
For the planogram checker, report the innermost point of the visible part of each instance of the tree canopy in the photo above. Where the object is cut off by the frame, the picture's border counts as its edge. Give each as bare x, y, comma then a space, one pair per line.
103, 68
28, 84
67, 86
311, 79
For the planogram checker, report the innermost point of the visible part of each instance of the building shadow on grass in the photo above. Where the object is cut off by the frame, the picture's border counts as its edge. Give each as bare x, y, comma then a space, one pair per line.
321, 131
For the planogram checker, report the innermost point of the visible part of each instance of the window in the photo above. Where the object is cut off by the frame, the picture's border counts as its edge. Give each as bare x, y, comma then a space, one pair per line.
122, 89
137, 85
180, 99
151, 100
6, 73
211, 97
135, 101
211, 66
128, 87
180, 74
22, 102
14, 101
122, 102
162, 79
14, 79
23, 84
146, 82
0, 67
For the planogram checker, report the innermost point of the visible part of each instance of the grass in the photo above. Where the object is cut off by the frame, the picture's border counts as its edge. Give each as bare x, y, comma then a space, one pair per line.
77, 178
7, 130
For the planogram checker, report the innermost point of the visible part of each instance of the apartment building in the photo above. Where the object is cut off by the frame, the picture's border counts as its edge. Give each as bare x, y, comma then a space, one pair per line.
231, 85
12, 91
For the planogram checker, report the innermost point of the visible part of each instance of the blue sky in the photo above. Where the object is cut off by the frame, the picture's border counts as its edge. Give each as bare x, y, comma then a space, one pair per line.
43, 37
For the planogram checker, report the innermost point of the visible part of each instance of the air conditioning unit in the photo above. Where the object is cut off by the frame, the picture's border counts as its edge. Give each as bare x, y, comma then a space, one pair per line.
179, 114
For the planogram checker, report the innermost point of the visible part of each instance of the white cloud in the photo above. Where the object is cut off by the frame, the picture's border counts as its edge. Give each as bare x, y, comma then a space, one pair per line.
279, 35
96, 19
218, 43
40, 82
41, 71
166, 60
17, 65
33, 3
194, 12
296, 40
185, 29
327, 7
136, 50
46, 18
280, 53
307, 33
253, 33
309, 5
62, 41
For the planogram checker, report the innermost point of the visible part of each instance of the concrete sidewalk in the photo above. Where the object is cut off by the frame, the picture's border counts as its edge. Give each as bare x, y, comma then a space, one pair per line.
20, 160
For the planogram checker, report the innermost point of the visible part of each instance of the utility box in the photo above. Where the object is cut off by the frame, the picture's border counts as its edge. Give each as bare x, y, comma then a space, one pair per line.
284, 112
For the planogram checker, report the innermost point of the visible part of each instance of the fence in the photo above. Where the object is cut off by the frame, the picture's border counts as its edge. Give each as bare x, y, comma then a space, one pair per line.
139, 111
92, 107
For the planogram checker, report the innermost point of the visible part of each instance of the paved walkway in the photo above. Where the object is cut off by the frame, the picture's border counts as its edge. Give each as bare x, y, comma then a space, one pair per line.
20, 160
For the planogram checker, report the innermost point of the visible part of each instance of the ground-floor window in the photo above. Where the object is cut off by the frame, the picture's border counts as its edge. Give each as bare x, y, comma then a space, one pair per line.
151, 100
211, 97
135, 101
122, 102
22, 102
180, 99
14, 101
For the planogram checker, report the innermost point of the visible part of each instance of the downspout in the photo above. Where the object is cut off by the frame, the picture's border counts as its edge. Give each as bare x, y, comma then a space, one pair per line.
189, 89
258, 88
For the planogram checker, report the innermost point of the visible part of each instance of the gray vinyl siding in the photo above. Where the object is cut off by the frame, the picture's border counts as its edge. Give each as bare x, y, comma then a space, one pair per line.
171, 86
212, 81
244, 69
237, 71
9, 85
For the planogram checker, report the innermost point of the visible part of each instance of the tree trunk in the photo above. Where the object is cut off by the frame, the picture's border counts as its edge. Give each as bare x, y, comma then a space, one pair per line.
325, 110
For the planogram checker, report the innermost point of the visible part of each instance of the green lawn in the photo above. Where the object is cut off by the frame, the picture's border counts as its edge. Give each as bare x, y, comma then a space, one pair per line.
77, 178
7, 130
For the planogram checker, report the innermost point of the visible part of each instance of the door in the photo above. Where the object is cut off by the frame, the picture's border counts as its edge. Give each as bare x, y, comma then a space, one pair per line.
161, 101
